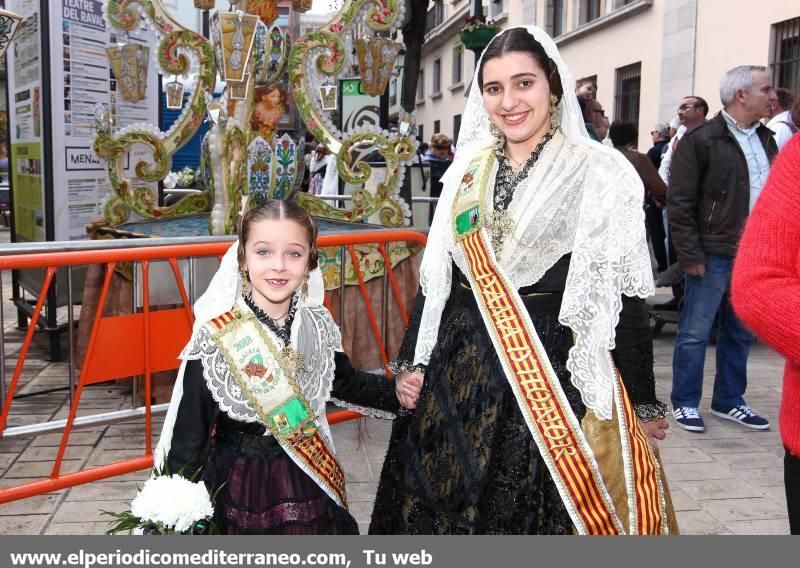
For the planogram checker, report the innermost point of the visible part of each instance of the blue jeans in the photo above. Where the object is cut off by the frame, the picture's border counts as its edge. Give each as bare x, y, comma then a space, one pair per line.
704, 298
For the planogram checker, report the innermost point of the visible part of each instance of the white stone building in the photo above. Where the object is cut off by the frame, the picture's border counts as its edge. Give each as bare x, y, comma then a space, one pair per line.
644, 54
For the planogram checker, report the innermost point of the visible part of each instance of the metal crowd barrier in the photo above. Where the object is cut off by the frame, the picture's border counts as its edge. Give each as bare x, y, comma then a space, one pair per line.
347, 197
152, 338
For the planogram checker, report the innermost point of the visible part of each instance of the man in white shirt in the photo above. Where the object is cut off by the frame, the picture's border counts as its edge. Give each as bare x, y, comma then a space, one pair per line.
781, 122
692, 112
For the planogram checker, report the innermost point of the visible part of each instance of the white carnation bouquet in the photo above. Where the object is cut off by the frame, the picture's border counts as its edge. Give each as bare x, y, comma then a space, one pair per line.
168, 504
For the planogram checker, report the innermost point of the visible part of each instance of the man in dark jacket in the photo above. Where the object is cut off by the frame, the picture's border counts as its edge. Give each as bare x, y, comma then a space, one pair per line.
624, 135
439, 158
717, 172
653, 211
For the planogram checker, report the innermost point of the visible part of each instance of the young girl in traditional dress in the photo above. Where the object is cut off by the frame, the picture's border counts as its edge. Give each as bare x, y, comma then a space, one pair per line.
248, 409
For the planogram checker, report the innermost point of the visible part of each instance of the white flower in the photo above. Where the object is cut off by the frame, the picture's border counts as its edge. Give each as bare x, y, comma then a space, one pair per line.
174, 501
171, 180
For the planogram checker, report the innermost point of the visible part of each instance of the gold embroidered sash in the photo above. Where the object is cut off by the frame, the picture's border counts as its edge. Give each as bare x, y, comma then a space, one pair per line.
548, 414
267, 375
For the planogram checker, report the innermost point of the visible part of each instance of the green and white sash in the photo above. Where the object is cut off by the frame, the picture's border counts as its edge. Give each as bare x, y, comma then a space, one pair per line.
267, 375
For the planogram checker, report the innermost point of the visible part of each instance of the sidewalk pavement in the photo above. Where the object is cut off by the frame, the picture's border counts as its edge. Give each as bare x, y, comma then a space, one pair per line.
727, 480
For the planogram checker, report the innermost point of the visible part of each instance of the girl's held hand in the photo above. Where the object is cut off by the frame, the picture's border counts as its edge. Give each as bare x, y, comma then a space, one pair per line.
408, 384
656, 430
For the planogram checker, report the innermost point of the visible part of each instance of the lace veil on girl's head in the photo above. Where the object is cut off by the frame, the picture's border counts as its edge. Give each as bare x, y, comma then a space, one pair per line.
226, 286
474, 133
222, 294
609, 250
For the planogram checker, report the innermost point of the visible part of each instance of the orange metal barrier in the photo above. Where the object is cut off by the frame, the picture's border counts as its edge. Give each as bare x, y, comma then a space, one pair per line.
153, 338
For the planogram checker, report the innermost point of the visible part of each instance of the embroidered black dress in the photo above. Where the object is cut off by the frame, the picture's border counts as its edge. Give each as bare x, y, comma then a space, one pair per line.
465, 462
263, 490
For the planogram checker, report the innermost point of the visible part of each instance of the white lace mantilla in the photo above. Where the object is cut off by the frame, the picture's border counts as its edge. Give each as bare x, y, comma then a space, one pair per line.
580, 197
610, 259
224, 389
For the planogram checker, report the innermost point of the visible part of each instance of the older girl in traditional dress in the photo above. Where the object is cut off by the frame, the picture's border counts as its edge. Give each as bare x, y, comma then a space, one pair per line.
531, 307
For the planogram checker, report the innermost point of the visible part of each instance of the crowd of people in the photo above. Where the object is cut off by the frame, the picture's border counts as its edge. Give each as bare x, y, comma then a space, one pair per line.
524, 387
706, 183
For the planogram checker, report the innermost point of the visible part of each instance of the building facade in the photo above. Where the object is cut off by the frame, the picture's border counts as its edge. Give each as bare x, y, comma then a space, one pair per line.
644, 55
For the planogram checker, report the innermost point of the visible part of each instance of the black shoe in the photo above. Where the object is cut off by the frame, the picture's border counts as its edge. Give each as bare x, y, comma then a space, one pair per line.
670, 306
670, 277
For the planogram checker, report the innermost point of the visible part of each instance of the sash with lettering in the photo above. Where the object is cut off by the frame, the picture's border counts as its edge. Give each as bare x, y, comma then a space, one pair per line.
266, 374
595, 496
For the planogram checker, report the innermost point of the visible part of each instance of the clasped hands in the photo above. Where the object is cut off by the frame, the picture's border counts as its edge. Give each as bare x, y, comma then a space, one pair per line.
408, 385
656, 430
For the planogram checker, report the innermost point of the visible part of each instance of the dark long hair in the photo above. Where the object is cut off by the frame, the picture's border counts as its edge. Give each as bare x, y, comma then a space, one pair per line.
278, 209
623, 133
520, 40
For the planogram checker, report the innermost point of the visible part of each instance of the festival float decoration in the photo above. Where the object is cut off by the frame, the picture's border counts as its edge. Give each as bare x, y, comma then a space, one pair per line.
180, 52
8, 26
248, 154
253, 149
129, 63
174, 91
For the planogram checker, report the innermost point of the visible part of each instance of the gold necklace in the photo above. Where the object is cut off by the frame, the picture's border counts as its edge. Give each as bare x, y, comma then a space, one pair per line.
279, 318
515, 166
514, 162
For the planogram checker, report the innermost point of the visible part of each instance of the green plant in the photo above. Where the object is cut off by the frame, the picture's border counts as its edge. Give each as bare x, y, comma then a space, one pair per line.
475, 23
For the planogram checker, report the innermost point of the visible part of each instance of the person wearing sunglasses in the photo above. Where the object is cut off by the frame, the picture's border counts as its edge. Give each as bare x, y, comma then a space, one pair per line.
692, 113
594, 118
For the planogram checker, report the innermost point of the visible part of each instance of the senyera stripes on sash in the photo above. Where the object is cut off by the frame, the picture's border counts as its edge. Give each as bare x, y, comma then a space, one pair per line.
559, 441
318, 456
547, 412
650, 509
310, 452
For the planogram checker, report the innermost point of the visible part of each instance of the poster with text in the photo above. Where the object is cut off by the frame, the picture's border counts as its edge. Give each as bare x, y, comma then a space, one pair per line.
24, 69
82, 77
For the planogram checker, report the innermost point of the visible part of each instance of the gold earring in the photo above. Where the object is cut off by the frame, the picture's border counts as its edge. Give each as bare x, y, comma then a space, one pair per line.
498, 138
247, 288
304, 289
554, 121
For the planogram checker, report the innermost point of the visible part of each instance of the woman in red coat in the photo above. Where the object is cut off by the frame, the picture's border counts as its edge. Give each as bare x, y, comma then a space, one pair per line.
766, 295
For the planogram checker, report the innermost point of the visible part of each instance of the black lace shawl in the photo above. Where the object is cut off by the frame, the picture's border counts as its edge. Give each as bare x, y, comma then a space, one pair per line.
633, 354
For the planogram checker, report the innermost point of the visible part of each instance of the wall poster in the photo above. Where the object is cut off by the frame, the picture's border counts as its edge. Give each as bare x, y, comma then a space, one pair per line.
25, 123
80, 76
79, 38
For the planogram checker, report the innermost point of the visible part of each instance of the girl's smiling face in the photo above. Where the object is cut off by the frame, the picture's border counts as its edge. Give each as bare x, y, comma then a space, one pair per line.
276, 255
516, 94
